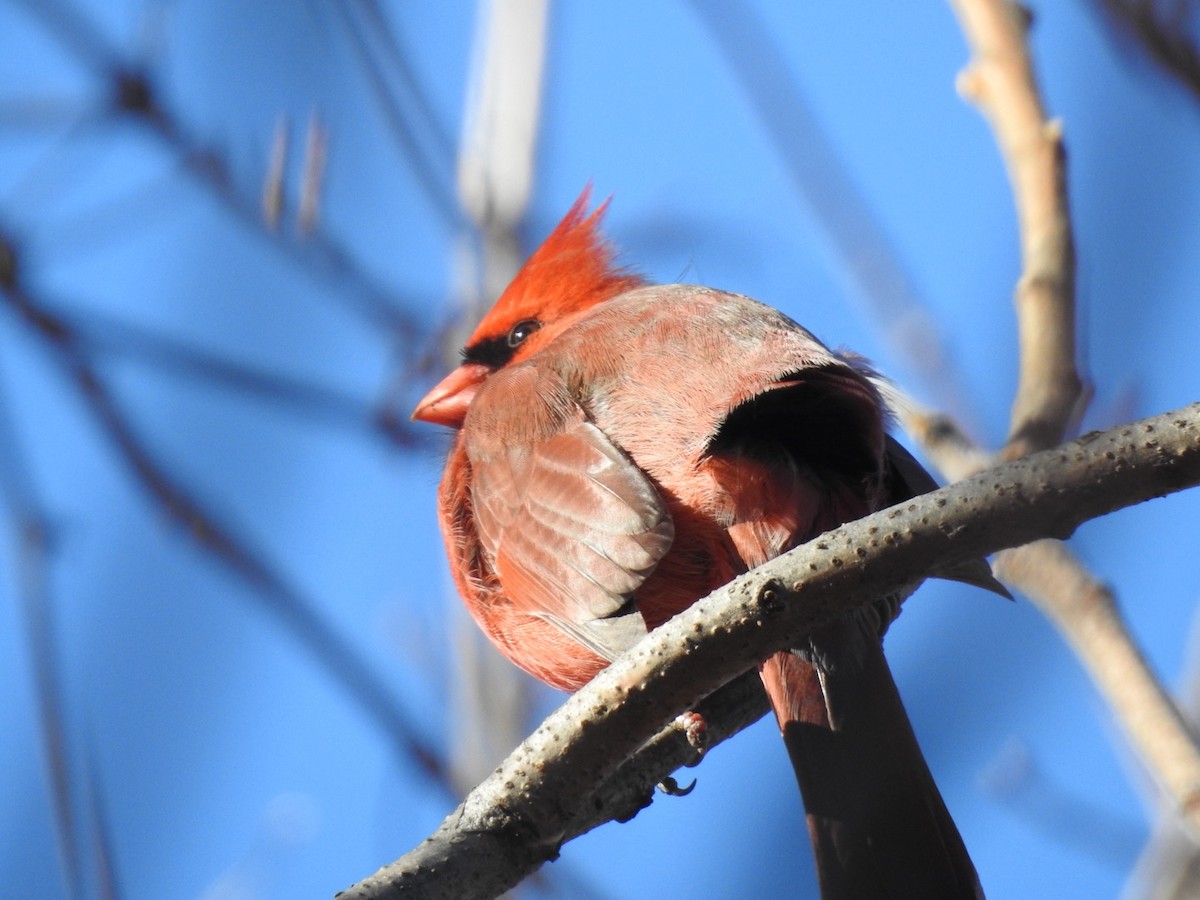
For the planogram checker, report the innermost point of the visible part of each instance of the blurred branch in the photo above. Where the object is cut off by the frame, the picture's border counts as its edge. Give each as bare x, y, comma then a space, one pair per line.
496, 173
272, 192
103, 853
340, 659
1169, 865
316, 149
1001, 82
496, 163
944, 442
1075, 822
133, 92
1161, 31
78, 36
407, 112
141, 206
1169, 868
867, 255
41, 629
1086, 614
106, 334
31, 550
521, 815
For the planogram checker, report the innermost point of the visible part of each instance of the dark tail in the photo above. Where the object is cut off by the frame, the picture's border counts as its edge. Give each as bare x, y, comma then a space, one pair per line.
878, 825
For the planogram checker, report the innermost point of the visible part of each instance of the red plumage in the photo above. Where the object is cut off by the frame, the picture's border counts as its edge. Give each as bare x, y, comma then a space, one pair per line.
623, 449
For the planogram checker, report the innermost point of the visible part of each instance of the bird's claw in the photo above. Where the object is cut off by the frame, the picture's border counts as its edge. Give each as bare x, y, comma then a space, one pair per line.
695, 729
671, 787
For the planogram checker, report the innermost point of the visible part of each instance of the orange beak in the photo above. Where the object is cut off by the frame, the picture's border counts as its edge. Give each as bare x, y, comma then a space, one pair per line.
447, 403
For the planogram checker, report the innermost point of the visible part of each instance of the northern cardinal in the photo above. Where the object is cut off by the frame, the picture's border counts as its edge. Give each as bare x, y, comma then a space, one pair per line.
624, 449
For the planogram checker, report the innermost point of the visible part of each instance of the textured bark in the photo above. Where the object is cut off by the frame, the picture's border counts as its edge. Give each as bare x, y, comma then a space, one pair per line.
535, 801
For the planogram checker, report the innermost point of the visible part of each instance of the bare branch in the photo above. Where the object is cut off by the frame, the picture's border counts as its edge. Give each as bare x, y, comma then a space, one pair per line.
337, 655
868, 256
407, 114
1169, 865
1085, 611
1001, 82
31, 552
102, 334
496, 173
520, 816
134, 93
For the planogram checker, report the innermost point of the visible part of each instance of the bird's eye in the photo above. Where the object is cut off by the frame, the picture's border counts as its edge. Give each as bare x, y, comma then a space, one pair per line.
521, 331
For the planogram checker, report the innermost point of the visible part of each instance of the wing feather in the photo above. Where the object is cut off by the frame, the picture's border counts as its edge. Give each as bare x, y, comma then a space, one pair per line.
572, 527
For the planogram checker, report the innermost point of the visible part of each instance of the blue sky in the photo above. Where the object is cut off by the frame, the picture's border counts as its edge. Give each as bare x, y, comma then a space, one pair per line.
230, 763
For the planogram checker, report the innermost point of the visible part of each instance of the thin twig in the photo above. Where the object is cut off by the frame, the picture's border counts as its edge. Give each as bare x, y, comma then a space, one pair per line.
42, 631
104, 856
133, 92
312, 181
408, 115
31, 552
272, 192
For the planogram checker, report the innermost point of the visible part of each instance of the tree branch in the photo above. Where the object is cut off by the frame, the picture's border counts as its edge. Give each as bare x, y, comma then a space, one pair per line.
338, 657
1086, 612
134, 92
827, 187
1001, 82
522, 814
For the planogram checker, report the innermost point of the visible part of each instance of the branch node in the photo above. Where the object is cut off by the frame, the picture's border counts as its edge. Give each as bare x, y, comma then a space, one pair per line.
970, 84
769, 599
1189, 804
1024, 17
133, 93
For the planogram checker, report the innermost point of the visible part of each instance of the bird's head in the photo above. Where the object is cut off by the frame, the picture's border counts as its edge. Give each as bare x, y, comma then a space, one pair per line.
569, 274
